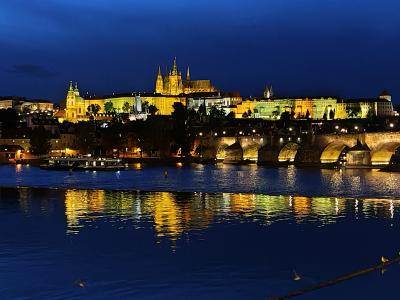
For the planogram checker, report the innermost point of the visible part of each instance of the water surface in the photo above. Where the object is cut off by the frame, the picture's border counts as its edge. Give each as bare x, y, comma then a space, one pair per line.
219, 178
184, 245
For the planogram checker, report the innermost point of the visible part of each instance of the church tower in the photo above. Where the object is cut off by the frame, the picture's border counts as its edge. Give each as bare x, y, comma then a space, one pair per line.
188, 74
175, 80
268, 92
159, 82
70, 96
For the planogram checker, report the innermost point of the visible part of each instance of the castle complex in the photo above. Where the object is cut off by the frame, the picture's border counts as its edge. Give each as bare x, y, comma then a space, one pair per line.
172, 88
172, 83
168, 90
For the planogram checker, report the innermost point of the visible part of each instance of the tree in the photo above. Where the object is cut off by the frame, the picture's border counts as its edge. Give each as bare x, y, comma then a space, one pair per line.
354, 111
216, 113
181, 134
8, 122
93, 109
202, 110
126, 108
285, 116
113, 137
231, 115
152, 109
324, 116
40, 141
308, 116
331, 114
217, 117
370, 114
109, 107
86, 137
145, 106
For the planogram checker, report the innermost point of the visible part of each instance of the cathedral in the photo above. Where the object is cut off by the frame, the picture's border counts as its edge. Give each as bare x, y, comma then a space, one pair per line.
172, 84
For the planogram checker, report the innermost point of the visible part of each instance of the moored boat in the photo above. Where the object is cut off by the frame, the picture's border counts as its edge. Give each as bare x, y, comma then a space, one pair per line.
83, 163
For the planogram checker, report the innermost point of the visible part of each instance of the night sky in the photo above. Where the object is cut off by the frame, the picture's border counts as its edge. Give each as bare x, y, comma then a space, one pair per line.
302, 47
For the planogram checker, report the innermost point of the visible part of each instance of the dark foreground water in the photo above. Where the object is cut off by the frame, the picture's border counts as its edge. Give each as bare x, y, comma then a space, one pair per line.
105, 243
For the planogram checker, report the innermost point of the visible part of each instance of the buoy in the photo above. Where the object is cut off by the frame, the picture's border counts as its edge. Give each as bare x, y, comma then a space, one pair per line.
384, 260
296, 277
80, 283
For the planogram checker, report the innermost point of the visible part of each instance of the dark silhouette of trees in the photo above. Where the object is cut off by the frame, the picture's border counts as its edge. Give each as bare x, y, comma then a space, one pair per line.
86, 137
109, 107
152, 109
40, 141
126, 108
181, 131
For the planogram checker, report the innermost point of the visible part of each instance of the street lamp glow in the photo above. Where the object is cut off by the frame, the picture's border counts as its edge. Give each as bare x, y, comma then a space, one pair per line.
200, 134
391, 125
337, 127
356, 127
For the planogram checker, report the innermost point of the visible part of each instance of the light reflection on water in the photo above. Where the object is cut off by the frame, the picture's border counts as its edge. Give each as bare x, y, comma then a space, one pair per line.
172, 214
179, 245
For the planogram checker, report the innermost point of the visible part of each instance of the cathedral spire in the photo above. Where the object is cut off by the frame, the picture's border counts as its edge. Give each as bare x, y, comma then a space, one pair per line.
71, 88
174, 67
188, 74
159, 71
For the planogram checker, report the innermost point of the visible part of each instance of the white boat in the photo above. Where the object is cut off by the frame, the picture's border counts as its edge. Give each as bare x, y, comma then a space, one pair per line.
83, 163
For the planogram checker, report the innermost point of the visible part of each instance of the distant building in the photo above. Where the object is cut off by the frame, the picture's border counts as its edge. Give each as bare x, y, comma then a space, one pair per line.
168, 89
23, 105
218, 99
172, 83
321, 107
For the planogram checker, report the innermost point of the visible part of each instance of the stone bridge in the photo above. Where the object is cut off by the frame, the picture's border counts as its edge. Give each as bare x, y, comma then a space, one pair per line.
354, 150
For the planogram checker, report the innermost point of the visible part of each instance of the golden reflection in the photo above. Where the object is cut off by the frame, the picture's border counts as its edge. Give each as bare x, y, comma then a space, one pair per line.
137, 166
301, 206
173, 214
18, 168
80, 204
242, 203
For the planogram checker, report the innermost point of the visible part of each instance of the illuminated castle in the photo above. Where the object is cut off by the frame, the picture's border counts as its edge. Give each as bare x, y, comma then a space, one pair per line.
173, 84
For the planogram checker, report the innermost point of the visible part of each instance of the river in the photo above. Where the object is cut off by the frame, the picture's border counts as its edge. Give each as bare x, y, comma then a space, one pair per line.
202, 232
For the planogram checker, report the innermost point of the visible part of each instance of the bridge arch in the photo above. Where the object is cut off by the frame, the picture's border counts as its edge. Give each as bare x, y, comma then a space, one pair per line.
288, 152
383, 153
333, 152
250, 151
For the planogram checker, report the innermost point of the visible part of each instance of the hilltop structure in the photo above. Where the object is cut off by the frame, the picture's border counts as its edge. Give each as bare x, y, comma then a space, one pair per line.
168, 89
171, 88
173, 84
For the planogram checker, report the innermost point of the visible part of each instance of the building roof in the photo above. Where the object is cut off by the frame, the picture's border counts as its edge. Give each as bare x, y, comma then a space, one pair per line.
359, 100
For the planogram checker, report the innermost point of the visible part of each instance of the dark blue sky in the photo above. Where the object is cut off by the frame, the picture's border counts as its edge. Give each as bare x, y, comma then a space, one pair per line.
348, 48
